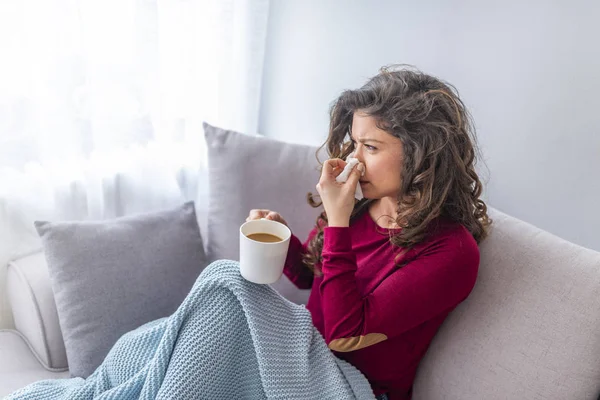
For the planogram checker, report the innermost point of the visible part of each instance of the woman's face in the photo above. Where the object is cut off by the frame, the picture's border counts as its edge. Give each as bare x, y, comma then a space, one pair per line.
382, 155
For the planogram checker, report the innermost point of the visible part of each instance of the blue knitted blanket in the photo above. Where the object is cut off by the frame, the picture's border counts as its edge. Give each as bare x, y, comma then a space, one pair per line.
229, 339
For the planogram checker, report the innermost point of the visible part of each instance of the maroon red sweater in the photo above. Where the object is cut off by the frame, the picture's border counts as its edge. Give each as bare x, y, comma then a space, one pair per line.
375, 315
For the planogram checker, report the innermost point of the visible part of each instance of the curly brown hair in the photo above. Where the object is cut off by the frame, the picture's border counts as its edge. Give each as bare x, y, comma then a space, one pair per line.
440, 154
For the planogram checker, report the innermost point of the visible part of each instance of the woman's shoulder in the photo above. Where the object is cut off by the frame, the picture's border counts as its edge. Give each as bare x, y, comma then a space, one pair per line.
444, 226
450, 235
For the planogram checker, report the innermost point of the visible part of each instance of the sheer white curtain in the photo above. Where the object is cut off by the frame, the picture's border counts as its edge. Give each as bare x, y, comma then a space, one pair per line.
102, 103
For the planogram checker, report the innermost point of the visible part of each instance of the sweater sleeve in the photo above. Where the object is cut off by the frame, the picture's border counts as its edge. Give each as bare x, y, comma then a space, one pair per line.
440, 276
294, 268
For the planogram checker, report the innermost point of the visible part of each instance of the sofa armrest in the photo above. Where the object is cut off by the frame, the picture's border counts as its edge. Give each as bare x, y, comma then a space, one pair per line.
34, 309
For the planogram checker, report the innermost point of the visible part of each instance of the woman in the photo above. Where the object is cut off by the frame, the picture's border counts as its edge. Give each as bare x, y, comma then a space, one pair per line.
386, 270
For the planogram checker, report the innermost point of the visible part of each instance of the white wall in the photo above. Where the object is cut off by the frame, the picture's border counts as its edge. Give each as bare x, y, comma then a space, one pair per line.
529, 71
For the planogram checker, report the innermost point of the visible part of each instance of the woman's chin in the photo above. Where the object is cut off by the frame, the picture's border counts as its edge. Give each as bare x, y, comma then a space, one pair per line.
366, 189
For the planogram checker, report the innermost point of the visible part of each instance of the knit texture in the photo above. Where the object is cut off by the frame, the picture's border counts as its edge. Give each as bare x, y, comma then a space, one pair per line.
229, 339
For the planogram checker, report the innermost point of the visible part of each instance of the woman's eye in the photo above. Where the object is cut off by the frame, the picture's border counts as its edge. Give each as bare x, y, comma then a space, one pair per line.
370, 148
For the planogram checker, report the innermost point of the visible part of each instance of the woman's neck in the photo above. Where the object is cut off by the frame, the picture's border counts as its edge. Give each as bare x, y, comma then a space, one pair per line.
383, 212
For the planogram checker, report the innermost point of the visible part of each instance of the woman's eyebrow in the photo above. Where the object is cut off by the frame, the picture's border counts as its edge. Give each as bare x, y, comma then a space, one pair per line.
367, 140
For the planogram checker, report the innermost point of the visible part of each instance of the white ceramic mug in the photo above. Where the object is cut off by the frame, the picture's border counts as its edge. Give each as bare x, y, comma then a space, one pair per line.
263, 262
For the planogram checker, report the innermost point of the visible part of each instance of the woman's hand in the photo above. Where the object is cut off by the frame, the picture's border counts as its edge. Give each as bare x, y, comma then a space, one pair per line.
268, 214
337, 197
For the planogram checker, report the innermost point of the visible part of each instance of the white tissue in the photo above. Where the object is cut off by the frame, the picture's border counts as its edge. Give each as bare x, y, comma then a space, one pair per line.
343, 177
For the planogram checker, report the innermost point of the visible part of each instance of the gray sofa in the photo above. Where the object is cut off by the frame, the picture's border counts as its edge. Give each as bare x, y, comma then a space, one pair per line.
529, 330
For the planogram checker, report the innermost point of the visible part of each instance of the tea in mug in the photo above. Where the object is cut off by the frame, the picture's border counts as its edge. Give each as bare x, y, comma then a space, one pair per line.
264, 237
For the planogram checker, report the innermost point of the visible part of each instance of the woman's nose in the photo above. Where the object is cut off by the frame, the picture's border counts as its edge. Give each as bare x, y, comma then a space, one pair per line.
358, 153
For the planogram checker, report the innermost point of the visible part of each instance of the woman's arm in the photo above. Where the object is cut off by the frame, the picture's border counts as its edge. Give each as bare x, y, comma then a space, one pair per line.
440, 277
295, 269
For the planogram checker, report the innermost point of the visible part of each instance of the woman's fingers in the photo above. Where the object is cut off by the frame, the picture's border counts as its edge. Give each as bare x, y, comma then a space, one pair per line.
333, 167
257, 214
355, 175
268, 214
275, 216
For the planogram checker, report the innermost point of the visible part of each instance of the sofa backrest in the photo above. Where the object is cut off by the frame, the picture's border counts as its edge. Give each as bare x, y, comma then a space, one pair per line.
529, 330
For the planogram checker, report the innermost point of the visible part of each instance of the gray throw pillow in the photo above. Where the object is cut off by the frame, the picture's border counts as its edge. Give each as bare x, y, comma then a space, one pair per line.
247, 172
110, 277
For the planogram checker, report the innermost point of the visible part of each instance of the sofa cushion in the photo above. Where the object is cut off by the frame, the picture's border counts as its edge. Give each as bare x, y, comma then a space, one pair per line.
34, 309
247, 172
529, 329
110, 277
18, 365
